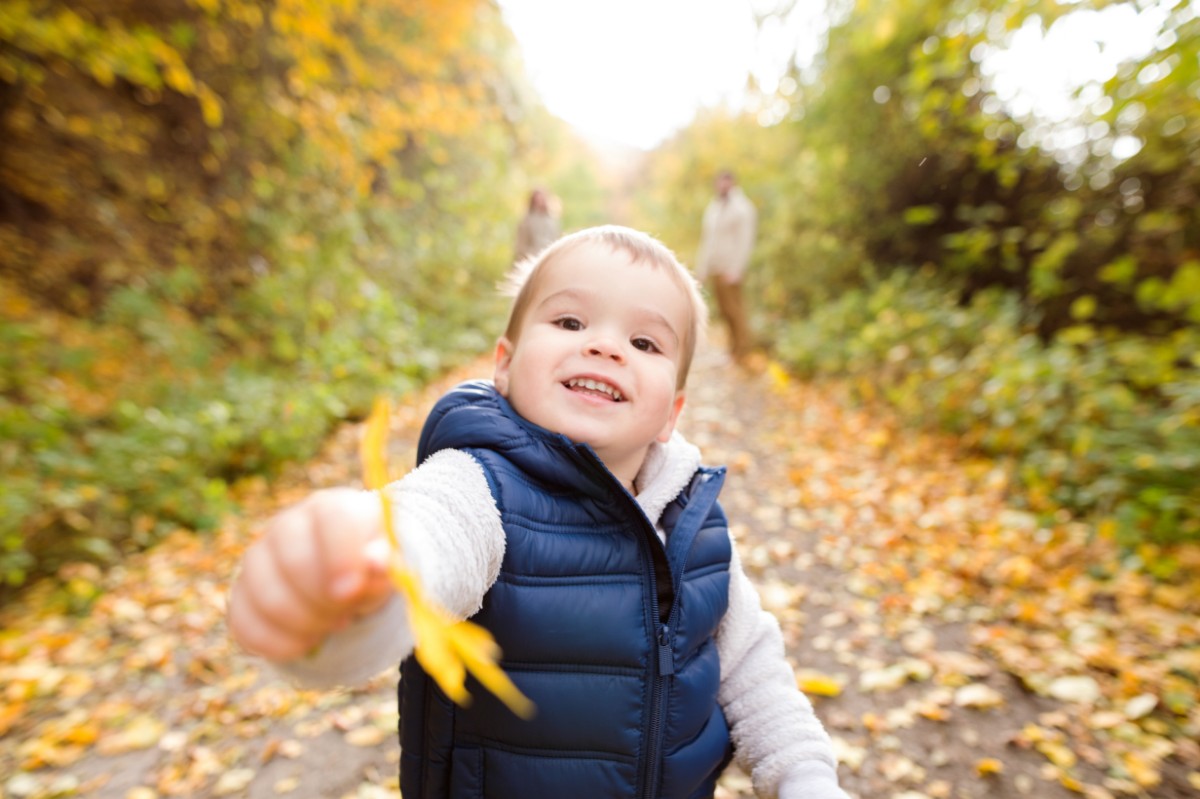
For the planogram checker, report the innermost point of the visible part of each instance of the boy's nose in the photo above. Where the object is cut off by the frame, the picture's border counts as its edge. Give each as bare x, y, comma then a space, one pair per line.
605, 348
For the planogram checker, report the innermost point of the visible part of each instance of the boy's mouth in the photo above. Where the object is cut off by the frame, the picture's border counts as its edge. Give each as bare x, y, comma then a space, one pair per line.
597, 388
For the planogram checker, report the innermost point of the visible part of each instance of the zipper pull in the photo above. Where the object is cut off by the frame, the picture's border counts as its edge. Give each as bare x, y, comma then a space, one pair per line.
666, 656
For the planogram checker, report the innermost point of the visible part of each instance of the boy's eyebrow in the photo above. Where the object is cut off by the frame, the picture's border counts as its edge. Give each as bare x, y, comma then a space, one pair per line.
657, 317
569, 294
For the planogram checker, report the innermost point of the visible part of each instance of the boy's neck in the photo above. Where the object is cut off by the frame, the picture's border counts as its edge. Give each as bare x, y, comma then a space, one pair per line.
626, 469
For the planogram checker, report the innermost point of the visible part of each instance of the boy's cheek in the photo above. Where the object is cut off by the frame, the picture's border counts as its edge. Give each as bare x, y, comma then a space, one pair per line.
664, 435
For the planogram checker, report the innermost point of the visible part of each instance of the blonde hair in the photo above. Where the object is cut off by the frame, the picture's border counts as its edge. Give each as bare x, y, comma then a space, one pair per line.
642, 249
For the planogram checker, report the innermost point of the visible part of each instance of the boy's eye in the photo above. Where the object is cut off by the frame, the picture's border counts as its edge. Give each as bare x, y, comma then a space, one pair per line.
645, 345
569, 323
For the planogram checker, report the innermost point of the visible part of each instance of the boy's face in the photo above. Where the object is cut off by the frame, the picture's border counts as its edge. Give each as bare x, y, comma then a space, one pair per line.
597, 354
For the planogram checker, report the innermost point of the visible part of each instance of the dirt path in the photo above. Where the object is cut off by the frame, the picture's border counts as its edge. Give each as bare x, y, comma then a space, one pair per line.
807, 479
137, 693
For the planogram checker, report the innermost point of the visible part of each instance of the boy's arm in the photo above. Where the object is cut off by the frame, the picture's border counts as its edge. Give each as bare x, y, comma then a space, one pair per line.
450, 533
777, 737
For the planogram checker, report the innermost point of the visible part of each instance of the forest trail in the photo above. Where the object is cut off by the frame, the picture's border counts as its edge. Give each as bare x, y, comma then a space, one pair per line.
908, 591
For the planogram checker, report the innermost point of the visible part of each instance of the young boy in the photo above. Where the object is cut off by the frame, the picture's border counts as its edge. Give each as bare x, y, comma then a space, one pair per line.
558, 508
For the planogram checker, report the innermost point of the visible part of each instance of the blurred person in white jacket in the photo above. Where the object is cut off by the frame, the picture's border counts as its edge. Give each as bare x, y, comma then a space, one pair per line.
727, 239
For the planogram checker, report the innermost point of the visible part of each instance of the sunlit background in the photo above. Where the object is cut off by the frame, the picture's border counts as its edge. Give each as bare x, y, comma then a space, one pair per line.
226, 226
633, 72
956, 198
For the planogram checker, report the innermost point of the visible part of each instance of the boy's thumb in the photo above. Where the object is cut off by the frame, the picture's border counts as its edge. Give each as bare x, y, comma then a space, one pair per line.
376, 553
373, 587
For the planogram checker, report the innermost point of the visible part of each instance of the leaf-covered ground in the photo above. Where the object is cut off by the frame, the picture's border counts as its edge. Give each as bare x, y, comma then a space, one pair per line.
954, 646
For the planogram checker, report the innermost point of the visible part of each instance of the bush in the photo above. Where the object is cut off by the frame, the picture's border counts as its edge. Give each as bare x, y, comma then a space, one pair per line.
1100, 423
119, 430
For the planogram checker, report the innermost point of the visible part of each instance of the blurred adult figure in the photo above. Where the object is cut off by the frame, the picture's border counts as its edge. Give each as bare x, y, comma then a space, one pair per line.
538, 228
727, 238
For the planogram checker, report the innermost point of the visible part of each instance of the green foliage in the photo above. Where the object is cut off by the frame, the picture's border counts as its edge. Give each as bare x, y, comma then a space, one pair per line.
109, 444
1062, 326
224, 229
1102, 424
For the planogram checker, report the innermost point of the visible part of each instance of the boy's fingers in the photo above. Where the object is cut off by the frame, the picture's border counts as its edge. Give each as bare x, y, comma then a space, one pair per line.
367, 588
346, 587
344, 521
275, 600
260, 637
292, 540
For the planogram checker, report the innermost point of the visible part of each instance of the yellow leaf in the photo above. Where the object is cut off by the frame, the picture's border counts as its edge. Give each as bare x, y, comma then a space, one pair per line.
179, 78
234, 781
210, 106
445, 647
10, 714
779, 376
1057, 753
83, 734
479, 652
1142, 771
978, 695
286, 785
1070, 783
988, 765
373, 449
367, 736
814, 682
142, 732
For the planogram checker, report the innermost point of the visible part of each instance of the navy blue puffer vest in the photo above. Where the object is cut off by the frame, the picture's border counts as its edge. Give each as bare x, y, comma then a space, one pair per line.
609, 633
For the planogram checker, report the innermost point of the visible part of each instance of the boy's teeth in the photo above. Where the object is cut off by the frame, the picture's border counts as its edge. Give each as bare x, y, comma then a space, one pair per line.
594, 385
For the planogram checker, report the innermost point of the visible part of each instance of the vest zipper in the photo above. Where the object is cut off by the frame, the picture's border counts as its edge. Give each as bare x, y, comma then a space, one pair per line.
661, 579
666, 656
665, 668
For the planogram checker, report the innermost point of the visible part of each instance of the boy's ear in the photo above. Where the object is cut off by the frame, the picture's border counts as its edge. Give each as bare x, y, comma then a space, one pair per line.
503, 357
676, 408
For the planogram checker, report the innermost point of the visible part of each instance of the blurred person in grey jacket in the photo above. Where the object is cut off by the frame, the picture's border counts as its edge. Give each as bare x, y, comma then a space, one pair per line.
538, 229
727, 239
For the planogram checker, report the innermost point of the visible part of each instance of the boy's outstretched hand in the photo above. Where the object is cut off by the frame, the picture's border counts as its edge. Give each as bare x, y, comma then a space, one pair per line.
318, 566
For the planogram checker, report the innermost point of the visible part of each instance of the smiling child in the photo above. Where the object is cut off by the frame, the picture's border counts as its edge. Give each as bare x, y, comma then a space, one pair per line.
557, 506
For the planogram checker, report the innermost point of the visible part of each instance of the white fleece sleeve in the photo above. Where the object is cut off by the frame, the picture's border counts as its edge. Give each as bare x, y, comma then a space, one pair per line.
774, 729
450, 533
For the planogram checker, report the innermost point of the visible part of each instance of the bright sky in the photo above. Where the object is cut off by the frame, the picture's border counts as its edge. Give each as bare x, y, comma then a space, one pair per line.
1040, 68
634, 71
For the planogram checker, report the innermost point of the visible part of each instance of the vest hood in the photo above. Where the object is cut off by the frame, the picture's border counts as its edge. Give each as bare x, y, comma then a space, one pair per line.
475, 415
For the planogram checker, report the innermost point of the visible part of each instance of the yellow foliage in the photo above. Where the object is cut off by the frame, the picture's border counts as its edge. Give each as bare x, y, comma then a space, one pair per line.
818, 684
368, 101
779, 376
988, 765
1057, 753
1142, 770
